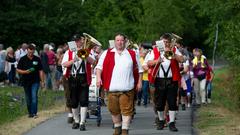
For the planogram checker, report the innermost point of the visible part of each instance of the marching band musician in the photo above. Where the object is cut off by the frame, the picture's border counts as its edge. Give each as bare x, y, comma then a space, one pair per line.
166, 82
78, 73
117, 71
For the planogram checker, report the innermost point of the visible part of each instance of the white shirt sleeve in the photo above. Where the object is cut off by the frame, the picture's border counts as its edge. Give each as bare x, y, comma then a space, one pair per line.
101, 59
65, 57
140, 69
92, 55
17, 55
178, 52
186, 63
145, 59
150, 56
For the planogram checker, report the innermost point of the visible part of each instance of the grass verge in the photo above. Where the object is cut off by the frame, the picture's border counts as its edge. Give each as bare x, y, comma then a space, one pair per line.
221, 117
13, 111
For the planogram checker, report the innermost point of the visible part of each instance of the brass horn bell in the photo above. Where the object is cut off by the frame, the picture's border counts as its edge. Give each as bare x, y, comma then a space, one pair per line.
168, 55
89, 43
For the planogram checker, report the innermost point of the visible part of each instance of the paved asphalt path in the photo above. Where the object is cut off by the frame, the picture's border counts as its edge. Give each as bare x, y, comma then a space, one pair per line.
142, 125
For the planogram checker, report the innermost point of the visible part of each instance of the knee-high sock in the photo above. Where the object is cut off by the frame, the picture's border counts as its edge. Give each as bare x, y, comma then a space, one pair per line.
116, 120
172, 115
126, 122
70, 115
160, 115
83, 114
76, 115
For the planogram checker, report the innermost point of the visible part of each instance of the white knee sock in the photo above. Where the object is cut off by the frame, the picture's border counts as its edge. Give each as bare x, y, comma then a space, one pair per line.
117, 120
76, 115
126, 122
160, 115
172, 116
83, 114
70, 115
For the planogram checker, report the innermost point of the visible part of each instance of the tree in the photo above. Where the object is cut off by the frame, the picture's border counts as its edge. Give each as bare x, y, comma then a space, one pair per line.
227, 15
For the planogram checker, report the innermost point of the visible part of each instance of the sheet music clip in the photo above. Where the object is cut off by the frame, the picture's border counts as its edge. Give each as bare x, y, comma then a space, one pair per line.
161, 46
72, 46
111, 44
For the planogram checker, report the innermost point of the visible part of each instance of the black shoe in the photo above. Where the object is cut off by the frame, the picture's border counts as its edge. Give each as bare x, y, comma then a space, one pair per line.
183, 107
134, 111
103, 102
82, 127
157, 121
139, 103
30, 115
35, 116
70, 120
160, 125
124, 132
75, 125
117, 130
172, 127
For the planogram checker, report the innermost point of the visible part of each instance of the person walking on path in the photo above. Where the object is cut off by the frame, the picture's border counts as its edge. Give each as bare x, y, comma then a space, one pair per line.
145, 83
30, 67
167, 75
10, 66
78, 73
209, 78
119, 71
200, 68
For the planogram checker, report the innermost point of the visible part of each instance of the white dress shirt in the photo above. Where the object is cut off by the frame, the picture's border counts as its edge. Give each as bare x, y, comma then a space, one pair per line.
122, 75
20, 53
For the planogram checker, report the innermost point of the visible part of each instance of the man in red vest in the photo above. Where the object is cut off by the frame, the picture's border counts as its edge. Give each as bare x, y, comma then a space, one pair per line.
166, 75
120, 72
78, 73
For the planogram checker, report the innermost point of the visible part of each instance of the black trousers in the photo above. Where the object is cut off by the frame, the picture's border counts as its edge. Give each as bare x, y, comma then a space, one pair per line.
165, 90
79, 90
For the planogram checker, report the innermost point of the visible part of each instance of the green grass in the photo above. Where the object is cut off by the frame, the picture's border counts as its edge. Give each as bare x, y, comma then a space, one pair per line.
13, 104
219, 117
210, 117
226, 88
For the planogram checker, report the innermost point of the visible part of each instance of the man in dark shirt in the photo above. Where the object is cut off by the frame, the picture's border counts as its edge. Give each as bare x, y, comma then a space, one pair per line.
30, 67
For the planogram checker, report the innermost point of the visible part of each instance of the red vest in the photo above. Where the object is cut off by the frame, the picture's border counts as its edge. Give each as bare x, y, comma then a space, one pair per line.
108, 65
154, 69
88, 67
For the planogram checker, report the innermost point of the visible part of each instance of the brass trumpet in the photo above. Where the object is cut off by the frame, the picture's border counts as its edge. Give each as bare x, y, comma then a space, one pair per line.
89, 43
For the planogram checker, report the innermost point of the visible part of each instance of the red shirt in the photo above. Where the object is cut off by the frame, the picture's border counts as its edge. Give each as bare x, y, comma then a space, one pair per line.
51, 57
208, 76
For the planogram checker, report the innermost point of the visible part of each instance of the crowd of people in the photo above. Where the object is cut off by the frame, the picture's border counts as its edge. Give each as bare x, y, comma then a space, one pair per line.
166, 77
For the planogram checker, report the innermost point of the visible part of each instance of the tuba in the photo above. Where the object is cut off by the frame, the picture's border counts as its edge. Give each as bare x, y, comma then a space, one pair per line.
89, 43
131, 45
168, 55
